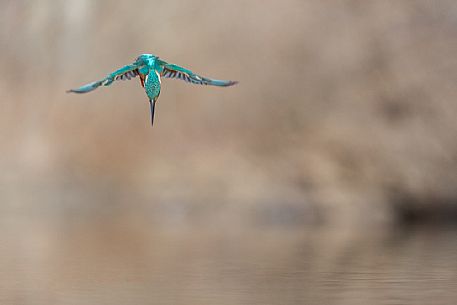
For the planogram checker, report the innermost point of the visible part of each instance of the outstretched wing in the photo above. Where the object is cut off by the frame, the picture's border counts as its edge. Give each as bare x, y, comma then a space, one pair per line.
88, 87
175, 71
124, 73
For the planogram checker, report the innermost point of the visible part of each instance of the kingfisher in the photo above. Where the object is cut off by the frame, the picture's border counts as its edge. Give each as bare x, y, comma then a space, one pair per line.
151, 69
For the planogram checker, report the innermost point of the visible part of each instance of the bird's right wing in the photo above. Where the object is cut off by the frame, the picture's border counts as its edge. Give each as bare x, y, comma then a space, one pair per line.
124, 73
175, 71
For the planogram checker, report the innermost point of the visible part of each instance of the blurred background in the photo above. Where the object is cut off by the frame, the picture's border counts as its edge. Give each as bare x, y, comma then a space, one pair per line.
328, 175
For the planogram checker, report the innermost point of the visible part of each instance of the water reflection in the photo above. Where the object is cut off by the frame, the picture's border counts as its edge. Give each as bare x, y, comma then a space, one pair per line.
119, 259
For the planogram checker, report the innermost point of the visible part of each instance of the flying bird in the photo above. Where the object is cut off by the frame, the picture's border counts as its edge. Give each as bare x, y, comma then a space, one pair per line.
151, 69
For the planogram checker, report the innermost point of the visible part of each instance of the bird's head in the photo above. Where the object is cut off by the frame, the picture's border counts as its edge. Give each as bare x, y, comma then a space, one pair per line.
145, 58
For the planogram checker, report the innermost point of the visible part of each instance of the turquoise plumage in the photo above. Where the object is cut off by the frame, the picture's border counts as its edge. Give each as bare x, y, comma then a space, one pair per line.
151, 69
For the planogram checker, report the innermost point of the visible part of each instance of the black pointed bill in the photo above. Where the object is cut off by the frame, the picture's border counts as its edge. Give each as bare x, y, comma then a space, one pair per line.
152, 105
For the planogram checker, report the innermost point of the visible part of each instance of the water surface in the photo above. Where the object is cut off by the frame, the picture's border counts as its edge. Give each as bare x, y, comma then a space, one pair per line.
117, 260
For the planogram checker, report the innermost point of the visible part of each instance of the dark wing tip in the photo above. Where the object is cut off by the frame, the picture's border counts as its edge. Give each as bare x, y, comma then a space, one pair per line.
74, 91
226, 83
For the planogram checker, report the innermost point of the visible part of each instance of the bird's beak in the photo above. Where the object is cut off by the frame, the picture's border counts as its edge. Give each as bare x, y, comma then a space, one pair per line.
152, 104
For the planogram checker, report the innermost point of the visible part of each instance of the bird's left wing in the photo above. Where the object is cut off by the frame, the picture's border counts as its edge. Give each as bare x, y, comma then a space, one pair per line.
126, 72
175, 71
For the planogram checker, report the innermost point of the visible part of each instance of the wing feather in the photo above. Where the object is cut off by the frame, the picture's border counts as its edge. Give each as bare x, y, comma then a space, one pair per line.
177, 72
126, 73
